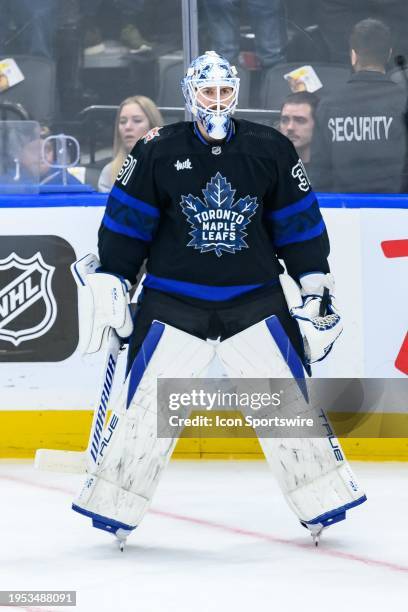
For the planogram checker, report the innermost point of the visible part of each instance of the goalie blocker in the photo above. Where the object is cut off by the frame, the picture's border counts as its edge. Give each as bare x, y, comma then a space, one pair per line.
117, 493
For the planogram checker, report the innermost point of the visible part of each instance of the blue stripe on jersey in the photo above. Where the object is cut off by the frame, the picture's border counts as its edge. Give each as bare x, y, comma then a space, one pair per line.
130, 216
126, 230
293, 209
296, 222
299, 236
202, 292
135, 203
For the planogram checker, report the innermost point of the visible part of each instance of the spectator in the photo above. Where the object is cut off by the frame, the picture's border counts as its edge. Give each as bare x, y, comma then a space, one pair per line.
359, 141
136, 116
267, 19
337, 17
36, 160
297, 121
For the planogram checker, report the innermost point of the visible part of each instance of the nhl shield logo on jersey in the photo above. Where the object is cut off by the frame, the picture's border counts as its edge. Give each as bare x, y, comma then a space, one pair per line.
218, 222
27, 305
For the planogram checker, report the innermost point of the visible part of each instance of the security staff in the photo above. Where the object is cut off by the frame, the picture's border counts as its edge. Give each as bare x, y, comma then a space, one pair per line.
359, 143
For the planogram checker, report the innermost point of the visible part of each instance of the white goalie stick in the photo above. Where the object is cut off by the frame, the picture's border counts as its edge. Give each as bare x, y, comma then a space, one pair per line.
77, 462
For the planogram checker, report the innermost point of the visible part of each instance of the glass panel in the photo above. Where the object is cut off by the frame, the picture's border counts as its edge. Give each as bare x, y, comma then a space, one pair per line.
20, 149
59, 58
347, 122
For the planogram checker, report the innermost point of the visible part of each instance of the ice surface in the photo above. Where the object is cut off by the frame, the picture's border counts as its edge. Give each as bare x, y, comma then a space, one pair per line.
219, 538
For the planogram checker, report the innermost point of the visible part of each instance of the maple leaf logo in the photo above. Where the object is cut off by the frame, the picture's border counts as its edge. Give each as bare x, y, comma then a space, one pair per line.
218, 222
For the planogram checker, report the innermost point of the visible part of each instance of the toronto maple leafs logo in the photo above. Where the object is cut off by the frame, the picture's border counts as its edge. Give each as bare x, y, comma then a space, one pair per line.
218, 222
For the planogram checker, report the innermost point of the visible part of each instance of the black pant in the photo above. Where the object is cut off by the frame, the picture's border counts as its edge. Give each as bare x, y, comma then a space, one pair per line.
222, 320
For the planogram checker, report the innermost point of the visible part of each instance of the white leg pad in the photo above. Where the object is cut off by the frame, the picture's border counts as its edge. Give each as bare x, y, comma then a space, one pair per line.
314, 475
316, 479
118, 493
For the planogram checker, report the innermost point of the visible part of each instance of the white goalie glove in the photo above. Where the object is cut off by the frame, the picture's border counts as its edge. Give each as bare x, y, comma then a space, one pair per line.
104, 304
314, 309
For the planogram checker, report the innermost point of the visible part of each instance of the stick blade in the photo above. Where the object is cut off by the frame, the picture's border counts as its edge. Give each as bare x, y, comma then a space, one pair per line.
72, 462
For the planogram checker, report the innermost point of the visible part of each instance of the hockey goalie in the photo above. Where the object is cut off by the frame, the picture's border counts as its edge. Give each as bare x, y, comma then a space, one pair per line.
215, 206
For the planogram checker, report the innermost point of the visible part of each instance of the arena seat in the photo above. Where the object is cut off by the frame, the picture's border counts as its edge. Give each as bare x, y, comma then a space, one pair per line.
37, 93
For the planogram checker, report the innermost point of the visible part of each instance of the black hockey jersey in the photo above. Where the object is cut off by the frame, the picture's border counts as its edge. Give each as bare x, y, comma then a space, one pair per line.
212, 219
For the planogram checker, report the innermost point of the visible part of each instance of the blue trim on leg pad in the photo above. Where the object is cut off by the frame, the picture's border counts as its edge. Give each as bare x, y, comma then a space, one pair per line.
288, 352
103, 522
143, 357
335, 516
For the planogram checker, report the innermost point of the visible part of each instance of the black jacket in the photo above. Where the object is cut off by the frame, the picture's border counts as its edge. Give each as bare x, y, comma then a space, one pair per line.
360, 137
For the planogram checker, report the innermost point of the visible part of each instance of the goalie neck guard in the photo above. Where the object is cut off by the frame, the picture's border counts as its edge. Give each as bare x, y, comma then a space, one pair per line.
212, 108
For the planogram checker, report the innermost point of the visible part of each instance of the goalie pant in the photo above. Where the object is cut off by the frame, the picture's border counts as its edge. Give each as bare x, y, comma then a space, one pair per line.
317, 483
211, 320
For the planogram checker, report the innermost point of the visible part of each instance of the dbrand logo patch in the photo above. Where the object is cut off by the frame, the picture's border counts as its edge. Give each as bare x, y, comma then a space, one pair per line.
185, 165
31, 283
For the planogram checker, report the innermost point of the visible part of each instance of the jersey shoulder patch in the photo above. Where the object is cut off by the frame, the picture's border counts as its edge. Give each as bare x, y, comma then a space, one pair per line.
153, 133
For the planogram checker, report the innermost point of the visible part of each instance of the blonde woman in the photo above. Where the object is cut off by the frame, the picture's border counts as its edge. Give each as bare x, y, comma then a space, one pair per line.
136, 116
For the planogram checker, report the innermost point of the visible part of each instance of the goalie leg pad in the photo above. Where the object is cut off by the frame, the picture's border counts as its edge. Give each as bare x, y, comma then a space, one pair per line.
262, 350
313, 473
315, 477
117, 494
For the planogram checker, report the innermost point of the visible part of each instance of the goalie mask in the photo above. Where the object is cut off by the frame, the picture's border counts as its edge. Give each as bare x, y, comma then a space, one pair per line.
210, 89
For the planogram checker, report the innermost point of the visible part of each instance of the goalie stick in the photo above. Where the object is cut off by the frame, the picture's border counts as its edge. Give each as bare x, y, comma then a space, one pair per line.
77, 462
81, 461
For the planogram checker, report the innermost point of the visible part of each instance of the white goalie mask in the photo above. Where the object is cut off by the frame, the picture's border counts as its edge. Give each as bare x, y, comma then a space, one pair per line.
210, 89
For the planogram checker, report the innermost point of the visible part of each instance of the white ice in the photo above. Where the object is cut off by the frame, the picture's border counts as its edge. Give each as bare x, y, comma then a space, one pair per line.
219, 538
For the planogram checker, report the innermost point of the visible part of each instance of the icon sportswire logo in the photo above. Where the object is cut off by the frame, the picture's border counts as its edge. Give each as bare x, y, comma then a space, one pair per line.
27, 305
218, 222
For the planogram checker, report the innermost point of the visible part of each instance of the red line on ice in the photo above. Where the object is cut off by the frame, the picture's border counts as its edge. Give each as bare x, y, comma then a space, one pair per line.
322, 550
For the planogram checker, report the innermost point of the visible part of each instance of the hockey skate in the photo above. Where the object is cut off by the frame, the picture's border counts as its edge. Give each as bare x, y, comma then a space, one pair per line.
315, 531
121, 537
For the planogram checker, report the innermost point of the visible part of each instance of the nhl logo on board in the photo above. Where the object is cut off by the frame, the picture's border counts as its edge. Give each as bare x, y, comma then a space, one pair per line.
27, 305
